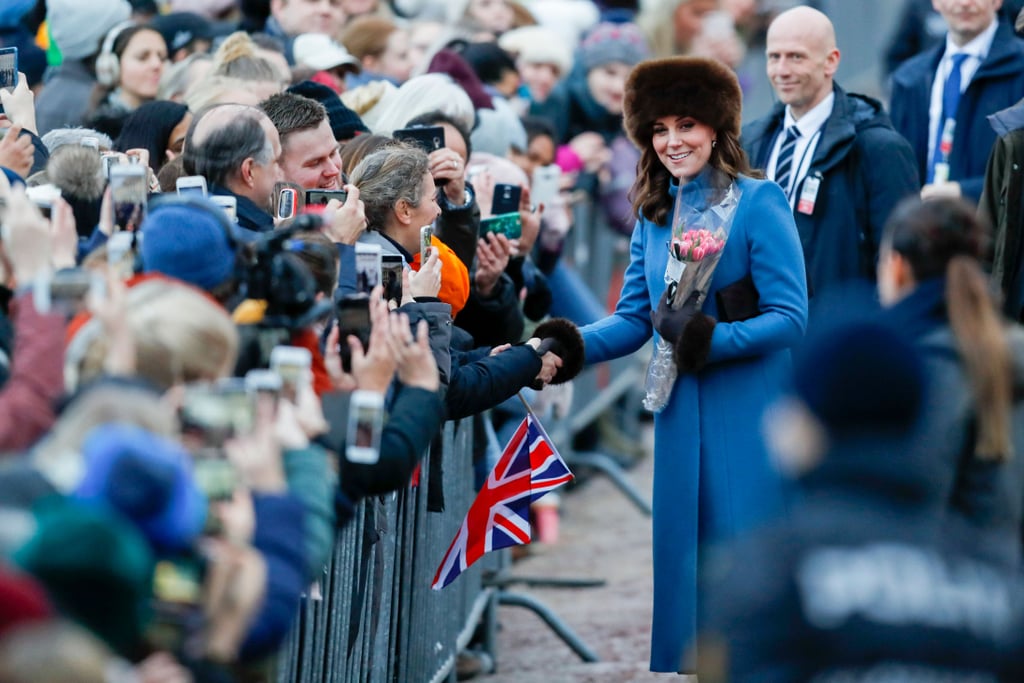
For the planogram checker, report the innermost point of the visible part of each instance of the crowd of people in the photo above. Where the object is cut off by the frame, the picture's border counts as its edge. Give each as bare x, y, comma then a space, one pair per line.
255, 254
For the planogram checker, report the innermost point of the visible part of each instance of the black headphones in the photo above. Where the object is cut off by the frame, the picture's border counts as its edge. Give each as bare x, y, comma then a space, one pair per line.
239, 249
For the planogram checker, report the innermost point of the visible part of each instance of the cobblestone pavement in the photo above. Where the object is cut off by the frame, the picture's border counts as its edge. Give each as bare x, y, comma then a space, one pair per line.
604, 536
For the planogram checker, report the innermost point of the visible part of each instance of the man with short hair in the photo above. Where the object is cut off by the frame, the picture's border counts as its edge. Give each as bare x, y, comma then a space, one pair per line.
835, 154
940, 98
309, 155
236, 148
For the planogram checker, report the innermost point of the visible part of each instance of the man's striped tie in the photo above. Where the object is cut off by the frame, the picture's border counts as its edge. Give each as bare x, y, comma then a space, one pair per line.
784, 164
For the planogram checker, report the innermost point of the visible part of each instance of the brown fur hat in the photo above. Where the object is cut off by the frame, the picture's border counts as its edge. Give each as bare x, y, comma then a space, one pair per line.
702, 88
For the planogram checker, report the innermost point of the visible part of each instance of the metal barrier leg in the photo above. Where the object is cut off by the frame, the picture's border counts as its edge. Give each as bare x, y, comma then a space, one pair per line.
561, 630
609, 467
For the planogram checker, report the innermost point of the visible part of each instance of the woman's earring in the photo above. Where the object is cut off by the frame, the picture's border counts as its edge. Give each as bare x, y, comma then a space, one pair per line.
714, 142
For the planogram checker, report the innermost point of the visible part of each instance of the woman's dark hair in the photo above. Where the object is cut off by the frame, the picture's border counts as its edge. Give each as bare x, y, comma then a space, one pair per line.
944, 238
101, 115
149, 127
650, 195
489, 61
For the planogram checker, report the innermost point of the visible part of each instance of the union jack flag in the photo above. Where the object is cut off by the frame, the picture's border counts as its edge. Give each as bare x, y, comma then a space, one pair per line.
500, 516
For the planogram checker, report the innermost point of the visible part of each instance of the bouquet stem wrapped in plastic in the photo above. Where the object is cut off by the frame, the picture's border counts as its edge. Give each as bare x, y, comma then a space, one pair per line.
701, 223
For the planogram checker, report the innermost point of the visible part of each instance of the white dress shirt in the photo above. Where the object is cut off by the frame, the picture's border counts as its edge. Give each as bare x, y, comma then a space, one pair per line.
810, 125
977, 51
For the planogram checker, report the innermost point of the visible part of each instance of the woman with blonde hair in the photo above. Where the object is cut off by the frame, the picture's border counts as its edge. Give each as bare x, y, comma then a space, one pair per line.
381, 46
180, 335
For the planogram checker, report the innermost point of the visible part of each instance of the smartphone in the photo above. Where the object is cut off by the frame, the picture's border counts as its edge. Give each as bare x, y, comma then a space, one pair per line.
365, 423
228, 203
368, 262
216, 477
128, 189
288, 200
121, 253
8, 69
177, 610
191, 185
426, 239
508, 224
44, 197
353, 315
216, 412
427, 138
506, 199
321, 197
545, 184
72, 285
90, 141
110, 159
292, 364
391, 267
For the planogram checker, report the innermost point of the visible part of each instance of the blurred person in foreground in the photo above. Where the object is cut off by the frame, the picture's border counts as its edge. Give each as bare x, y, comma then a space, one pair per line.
867, 578
712, 476
930, 278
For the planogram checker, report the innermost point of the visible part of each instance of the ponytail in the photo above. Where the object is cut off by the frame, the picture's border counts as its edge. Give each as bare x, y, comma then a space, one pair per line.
981, 340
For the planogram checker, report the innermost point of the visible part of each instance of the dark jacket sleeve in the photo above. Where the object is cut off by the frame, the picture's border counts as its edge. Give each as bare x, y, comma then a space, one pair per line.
459, 227
496, 319
885, 184
40, 153
37, 376
278, 521
415, 417
486, 382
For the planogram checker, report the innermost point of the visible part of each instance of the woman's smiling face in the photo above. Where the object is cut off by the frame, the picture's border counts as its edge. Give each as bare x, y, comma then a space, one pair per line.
683, 145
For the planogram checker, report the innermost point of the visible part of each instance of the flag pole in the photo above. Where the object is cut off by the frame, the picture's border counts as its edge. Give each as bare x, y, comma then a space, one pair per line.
526, 405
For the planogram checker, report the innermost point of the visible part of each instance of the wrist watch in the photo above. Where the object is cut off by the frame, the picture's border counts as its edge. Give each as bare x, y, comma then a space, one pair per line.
448, 206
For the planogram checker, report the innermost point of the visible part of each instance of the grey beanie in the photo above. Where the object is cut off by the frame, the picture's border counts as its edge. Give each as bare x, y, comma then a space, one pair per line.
78, 27
607, 43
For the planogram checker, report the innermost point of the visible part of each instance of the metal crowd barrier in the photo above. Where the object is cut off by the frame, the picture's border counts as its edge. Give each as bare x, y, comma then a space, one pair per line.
376, 618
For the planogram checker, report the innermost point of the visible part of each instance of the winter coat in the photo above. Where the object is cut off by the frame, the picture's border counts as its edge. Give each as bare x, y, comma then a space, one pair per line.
36, 382
1002, 204
997, 84
988, 495
481, 381
712, 475
64, 101
865, 168
573, 110
866, 580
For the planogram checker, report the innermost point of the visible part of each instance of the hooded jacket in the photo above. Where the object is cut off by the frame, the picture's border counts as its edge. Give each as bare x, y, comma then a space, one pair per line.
865, 168
988, 495
1002, 203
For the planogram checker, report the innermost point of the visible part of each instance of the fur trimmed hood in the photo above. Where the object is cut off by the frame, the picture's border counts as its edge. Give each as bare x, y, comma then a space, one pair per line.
702, 88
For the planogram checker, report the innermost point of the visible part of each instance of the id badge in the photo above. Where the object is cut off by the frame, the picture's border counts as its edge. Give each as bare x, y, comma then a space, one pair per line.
809, 194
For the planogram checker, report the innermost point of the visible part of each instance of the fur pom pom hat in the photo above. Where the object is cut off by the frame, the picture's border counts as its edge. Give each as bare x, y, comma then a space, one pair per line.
702, 88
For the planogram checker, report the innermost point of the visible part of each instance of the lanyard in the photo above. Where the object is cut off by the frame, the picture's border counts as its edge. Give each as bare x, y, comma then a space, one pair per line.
803, 157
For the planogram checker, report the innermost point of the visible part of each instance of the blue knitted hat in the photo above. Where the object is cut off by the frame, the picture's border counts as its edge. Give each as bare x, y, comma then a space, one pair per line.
188, 242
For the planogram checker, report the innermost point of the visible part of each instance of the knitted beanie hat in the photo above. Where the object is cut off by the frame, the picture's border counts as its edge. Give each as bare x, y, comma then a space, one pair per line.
188, 241
607, 43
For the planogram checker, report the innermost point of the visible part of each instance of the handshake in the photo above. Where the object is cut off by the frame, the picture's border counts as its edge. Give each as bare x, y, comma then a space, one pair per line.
558, 343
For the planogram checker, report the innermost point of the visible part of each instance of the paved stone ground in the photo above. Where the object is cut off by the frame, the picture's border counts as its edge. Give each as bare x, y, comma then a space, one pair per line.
602, 536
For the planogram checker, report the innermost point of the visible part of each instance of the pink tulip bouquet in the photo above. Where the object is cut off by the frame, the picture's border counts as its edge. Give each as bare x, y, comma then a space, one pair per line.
701, 224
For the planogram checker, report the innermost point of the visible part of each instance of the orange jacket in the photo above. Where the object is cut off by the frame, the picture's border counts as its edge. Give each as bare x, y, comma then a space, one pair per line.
454, 276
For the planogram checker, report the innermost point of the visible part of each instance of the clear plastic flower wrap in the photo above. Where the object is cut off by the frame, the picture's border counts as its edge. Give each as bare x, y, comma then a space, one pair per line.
701, 223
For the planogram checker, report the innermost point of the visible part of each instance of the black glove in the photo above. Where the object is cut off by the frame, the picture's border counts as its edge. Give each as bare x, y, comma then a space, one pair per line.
670, 323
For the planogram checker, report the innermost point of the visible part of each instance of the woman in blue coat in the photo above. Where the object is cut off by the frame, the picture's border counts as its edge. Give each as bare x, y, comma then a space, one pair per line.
712, 475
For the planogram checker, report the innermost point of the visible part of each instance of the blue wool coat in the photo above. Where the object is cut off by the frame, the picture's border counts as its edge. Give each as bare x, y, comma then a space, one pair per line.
712, 475
998, 84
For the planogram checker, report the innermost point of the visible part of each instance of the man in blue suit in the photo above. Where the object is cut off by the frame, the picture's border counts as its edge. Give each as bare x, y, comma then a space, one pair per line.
941, 98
